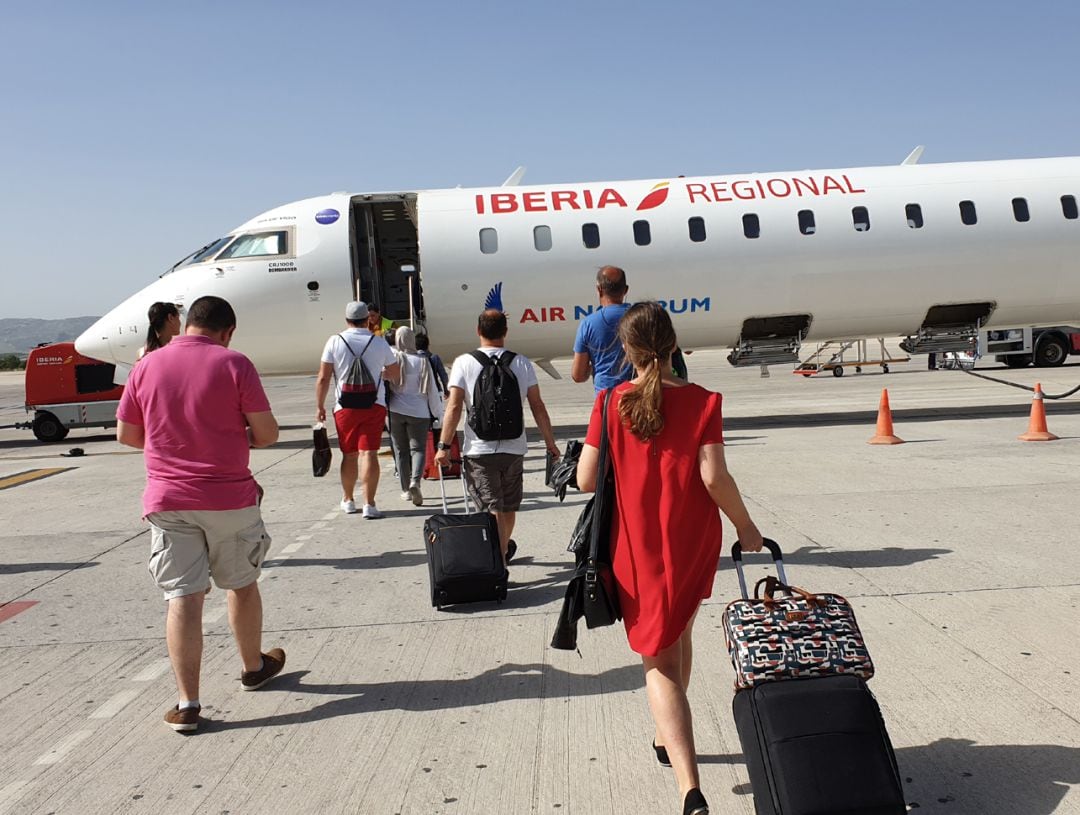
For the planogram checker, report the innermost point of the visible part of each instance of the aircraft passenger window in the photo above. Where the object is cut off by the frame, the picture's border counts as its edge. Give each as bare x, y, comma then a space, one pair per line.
257, 244
1020, 210
1068, 207
542, 238
914, 216
642, 234
967, 213
860, 216
489, 241
697, 229
806, 222
751, 226
590, 236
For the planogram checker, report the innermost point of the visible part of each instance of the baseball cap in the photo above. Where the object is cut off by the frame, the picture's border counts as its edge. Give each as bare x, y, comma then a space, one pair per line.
356, 311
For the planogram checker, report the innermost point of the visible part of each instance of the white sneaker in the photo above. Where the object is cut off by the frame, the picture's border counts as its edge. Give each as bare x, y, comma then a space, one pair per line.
371, 512
348, 507
415, 495
407, 495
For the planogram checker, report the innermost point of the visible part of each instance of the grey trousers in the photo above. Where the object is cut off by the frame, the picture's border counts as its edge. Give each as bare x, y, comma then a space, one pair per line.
409, 434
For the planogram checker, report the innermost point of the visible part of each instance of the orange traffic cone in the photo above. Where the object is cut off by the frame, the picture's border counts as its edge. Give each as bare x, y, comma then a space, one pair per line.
1037, 423
884, 433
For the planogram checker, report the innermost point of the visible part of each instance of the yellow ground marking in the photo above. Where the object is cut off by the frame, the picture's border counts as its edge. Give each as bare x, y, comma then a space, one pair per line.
30, 475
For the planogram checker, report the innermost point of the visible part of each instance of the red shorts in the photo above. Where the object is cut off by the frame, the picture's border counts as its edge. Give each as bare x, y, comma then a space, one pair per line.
360, 428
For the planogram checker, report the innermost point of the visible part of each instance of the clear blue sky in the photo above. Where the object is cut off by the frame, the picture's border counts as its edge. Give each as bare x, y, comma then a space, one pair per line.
133, 133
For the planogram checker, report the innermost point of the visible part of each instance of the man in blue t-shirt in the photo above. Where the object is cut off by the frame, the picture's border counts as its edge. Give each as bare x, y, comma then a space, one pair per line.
596, 348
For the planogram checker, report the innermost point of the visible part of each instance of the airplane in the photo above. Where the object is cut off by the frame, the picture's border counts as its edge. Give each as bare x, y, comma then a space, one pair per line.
759, 262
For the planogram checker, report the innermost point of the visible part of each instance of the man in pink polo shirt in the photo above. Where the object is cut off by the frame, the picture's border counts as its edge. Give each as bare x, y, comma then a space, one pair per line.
195, 408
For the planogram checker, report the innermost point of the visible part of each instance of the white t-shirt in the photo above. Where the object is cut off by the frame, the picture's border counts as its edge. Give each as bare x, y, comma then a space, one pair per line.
464, 374
407, 399
377, 356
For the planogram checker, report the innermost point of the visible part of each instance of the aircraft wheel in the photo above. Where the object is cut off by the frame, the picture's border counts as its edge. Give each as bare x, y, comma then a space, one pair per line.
47, 427
1051, 352
884, 369
837, 371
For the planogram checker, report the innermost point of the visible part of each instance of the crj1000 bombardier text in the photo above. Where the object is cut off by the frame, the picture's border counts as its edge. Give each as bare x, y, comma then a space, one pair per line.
759, 263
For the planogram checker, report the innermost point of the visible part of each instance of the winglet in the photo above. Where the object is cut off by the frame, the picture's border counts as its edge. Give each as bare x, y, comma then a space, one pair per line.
913, 156
515, 177
546, 366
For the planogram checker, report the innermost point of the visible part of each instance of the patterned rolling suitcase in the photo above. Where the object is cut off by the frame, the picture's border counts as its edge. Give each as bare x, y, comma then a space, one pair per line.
785, 632
465, 562
817, 746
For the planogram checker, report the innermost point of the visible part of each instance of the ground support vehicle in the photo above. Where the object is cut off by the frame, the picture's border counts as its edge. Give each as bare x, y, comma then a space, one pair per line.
1046, 346
66, 390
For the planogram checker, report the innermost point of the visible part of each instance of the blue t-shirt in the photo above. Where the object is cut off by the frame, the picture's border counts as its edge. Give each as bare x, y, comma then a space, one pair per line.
596, 336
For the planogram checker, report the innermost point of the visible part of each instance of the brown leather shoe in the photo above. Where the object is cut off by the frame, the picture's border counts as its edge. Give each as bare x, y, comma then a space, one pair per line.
183, 721
273, 662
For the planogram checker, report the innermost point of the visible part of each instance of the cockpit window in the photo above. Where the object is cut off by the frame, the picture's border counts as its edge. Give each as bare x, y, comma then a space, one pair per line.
257, 244
206, 253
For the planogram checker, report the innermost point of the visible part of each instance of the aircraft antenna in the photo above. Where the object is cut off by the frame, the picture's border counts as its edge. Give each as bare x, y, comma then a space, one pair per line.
913, 156
515, 177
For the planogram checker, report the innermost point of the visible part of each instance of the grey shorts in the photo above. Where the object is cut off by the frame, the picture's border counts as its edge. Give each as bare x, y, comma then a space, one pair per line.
188, 546
495, 481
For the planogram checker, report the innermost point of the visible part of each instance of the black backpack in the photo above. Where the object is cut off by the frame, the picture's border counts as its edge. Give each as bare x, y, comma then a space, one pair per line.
358, 387
496, 412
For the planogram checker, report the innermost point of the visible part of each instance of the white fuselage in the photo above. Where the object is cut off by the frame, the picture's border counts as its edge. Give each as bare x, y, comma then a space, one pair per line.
851, 282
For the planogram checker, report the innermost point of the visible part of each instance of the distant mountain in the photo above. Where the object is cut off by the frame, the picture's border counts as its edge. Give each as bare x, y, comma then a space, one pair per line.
19, 336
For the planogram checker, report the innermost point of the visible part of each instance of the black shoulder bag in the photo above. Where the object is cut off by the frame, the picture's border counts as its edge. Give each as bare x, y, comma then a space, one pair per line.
591, 593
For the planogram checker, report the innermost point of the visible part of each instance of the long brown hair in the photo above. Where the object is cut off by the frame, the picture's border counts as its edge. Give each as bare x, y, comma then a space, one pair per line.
158, 315
648, 337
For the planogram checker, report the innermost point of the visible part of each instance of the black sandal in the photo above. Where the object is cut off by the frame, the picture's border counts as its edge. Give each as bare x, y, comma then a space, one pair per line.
695, 803
661, 755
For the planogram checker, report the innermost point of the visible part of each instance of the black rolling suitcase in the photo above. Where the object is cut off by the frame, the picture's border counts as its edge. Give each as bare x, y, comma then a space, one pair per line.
817, 746
464, 559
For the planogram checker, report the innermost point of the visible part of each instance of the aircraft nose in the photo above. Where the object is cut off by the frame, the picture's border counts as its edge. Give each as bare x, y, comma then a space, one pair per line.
94, 342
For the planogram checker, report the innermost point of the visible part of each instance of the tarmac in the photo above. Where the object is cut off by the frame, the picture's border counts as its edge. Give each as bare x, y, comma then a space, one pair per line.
958, 550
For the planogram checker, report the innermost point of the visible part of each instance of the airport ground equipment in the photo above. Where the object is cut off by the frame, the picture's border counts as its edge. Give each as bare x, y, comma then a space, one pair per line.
1045, 346
66, 390
835, 356
465, 561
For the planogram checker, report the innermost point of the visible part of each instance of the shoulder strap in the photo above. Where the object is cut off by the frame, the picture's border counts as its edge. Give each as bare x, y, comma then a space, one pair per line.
505, 358
351, 351
482, 358
600, 491
372, 337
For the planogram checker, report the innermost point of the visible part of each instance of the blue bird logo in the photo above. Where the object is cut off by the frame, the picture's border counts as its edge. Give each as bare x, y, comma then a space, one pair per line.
494, 298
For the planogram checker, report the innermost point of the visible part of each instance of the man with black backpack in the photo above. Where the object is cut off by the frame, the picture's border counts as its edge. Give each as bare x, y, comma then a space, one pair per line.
357, 360
493, 384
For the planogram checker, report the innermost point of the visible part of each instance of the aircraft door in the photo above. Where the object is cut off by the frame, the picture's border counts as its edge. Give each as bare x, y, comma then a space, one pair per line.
386, 256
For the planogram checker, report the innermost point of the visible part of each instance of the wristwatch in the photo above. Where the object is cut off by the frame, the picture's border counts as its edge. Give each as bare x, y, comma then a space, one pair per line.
442, 446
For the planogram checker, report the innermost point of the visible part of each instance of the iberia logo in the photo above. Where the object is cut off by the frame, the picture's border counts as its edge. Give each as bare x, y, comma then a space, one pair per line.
656, 196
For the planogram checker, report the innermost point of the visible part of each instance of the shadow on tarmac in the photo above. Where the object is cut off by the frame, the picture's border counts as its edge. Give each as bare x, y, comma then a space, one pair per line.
501, 684
63, 444
23, 568
862, 558
974, 779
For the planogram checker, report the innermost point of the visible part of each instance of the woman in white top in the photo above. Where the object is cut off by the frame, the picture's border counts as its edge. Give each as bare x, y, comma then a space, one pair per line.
414, 401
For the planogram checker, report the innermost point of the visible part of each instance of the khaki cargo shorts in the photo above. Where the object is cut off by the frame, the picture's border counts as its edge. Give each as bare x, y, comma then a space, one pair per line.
188, 546
495, 481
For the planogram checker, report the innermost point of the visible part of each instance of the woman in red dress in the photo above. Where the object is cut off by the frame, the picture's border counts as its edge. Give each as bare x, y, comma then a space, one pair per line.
666, 448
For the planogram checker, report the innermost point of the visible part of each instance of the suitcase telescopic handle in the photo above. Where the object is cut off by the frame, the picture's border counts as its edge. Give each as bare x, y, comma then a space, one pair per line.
464, 487
777, 556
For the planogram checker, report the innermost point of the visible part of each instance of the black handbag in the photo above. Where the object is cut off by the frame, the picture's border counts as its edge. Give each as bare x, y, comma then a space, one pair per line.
321, 455
591, 592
